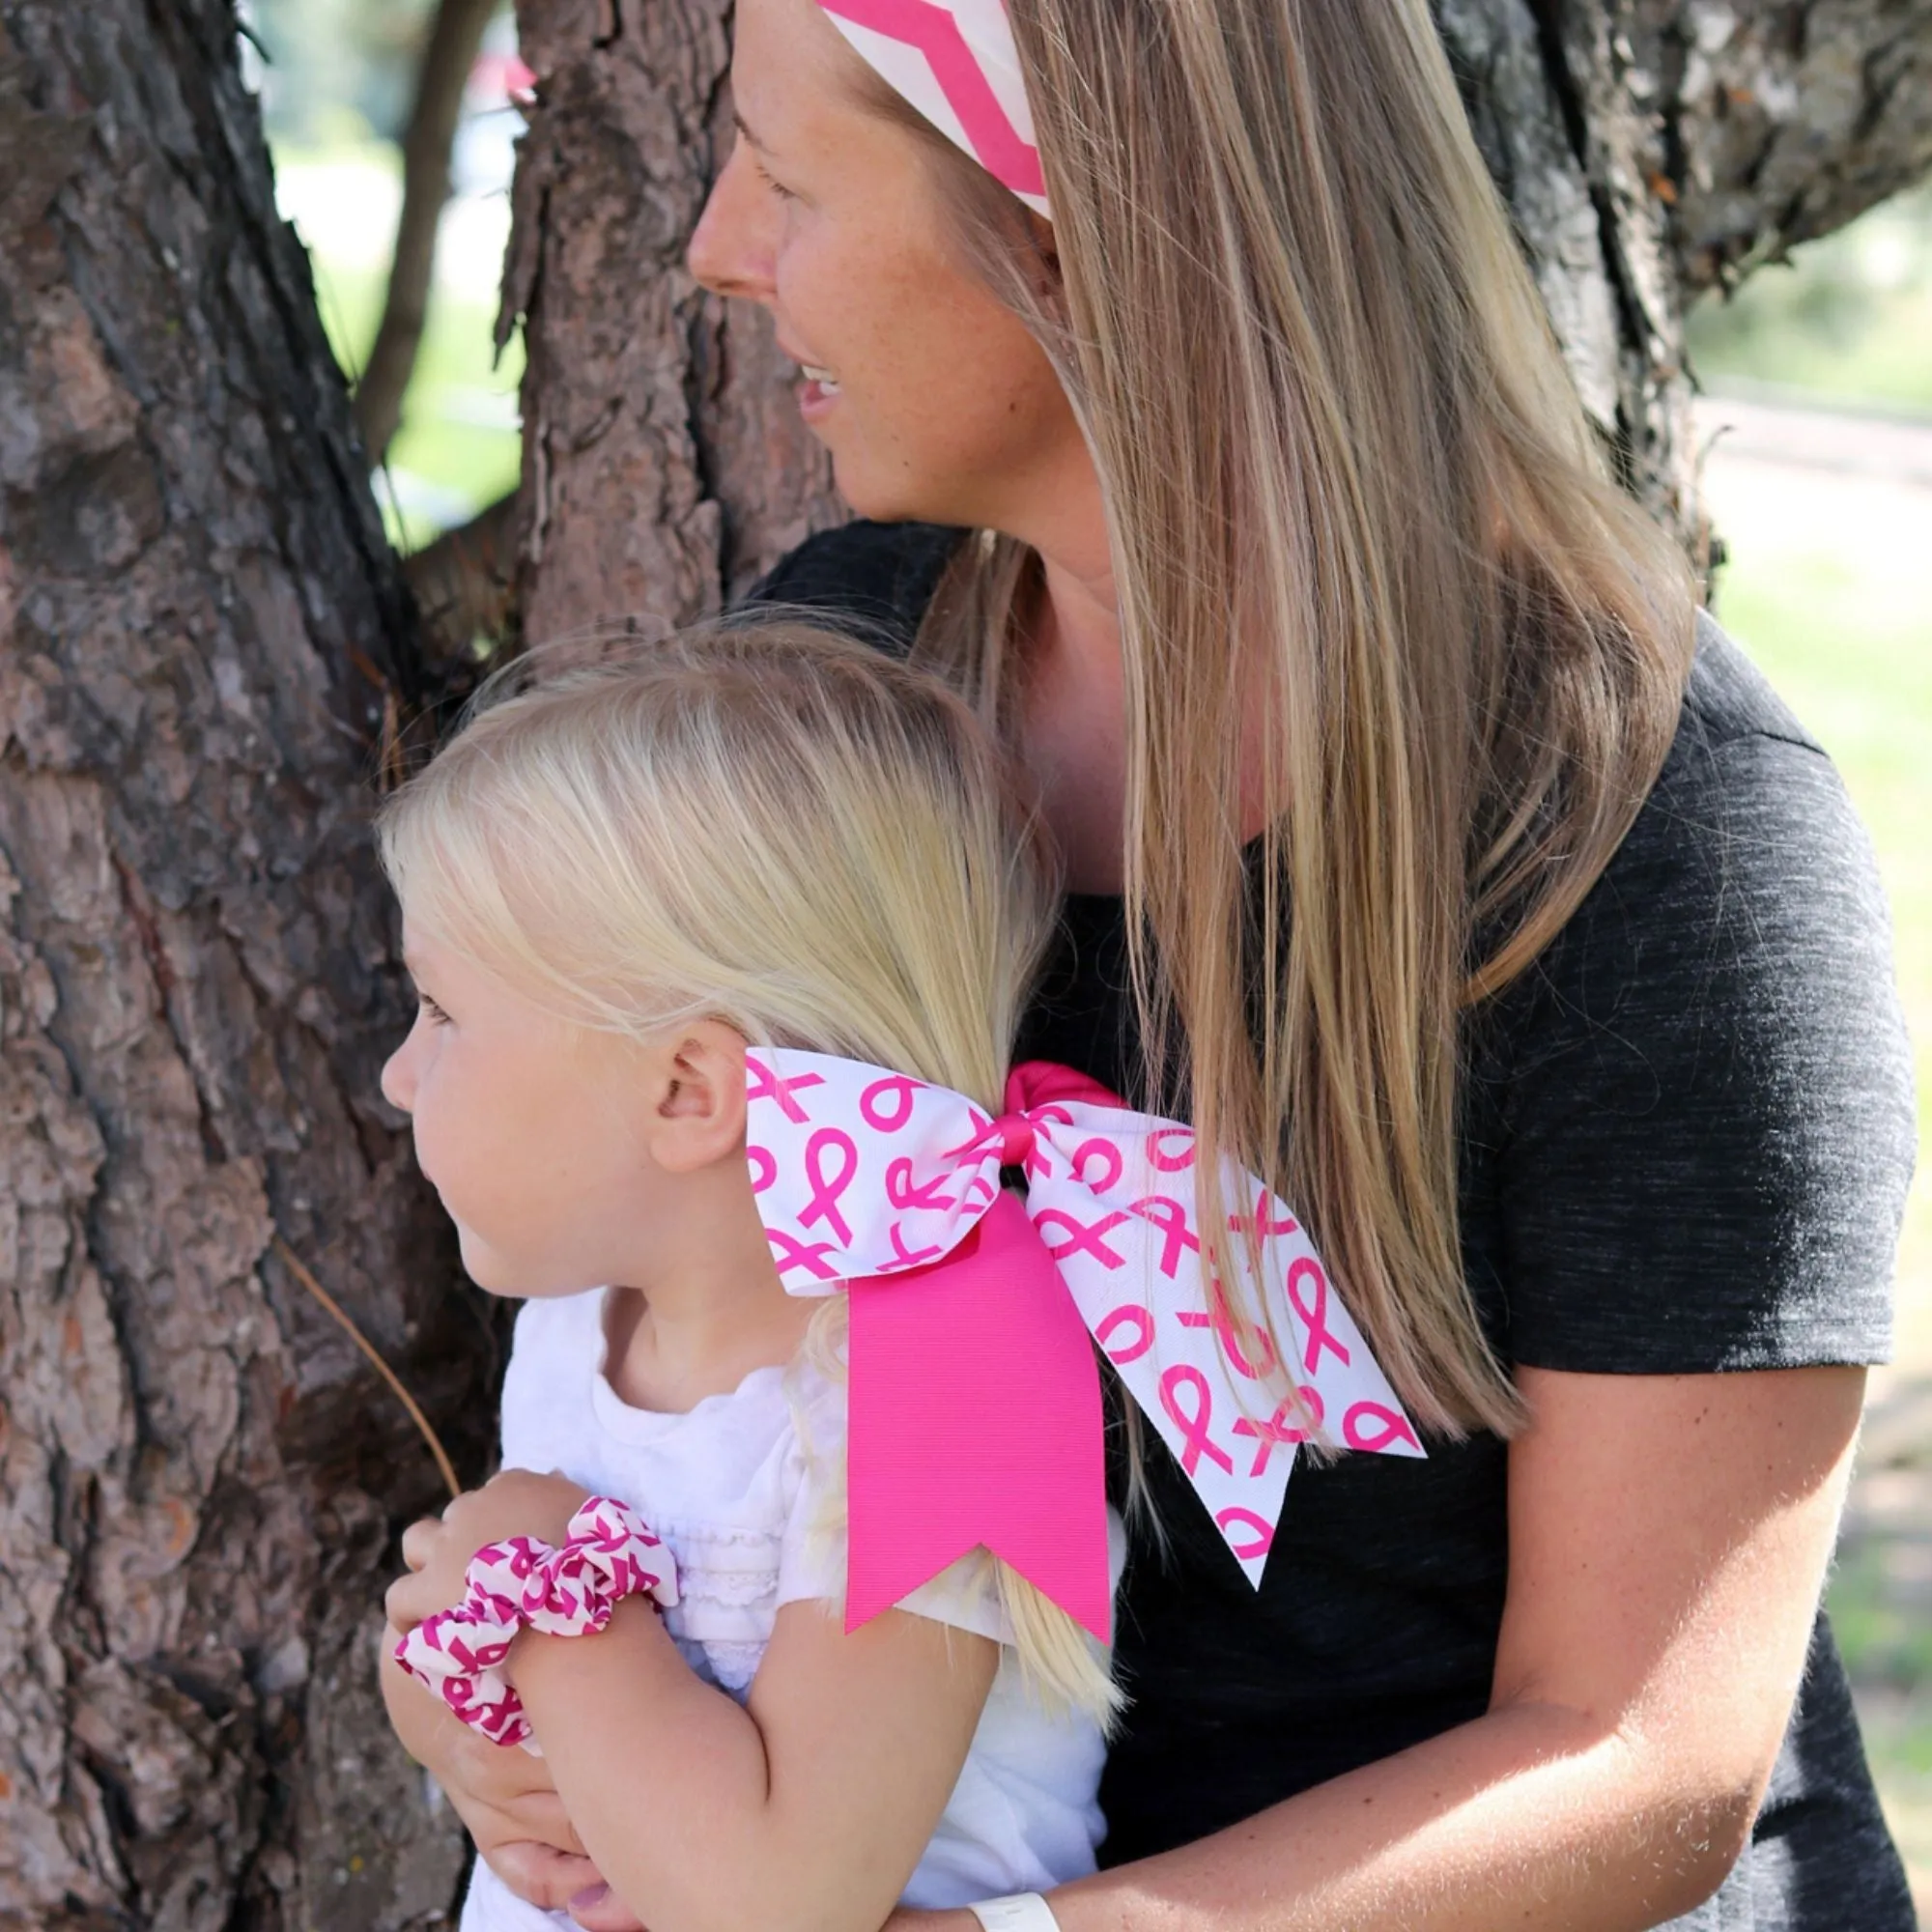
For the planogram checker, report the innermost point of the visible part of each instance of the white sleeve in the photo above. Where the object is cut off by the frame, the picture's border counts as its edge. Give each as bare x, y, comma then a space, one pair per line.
812, 1555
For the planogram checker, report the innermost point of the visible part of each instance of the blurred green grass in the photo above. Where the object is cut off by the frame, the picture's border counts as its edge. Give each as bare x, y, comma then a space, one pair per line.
1849, 316
458, 449
1829, 587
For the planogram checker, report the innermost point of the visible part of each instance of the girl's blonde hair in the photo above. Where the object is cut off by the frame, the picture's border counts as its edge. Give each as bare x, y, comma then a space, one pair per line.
1346, 476
764, 825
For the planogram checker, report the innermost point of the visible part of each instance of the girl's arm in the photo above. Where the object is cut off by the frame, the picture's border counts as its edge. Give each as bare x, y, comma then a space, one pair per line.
1668, 1539
807, 1810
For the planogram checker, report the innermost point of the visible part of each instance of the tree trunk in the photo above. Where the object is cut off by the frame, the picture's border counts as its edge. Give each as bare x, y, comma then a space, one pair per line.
1647, 149
201, 642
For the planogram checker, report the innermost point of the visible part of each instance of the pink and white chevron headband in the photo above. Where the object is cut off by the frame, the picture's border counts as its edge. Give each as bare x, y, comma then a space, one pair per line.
974, 1403
955, 61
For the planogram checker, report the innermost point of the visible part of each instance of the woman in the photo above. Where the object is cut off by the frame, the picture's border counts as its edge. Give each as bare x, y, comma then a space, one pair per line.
1296, 583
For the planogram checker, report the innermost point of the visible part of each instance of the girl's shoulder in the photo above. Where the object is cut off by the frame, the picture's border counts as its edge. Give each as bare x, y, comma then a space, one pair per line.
1695, 1111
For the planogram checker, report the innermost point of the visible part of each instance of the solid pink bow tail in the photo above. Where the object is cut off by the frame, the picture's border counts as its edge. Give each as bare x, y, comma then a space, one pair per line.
975, 1418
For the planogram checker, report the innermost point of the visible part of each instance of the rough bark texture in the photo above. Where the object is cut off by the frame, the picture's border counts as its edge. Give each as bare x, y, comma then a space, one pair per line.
200, 635
663, 462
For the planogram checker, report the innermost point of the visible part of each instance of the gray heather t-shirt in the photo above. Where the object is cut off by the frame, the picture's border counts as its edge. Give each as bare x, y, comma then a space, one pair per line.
1688, 1135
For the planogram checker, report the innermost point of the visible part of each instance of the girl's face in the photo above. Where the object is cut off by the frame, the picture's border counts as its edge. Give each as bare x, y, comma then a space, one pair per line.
539, 1136
933, 399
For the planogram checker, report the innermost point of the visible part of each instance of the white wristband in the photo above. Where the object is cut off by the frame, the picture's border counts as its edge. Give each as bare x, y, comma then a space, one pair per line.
1018, 1911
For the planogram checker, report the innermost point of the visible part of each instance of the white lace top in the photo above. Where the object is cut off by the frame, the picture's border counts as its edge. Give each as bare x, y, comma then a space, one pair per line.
744, 1489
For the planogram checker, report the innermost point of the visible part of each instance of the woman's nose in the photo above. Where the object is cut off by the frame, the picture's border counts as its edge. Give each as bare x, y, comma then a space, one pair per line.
732, 247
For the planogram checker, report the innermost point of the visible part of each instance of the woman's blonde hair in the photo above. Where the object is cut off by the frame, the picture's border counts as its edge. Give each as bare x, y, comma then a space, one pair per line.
767, 826
1346, 476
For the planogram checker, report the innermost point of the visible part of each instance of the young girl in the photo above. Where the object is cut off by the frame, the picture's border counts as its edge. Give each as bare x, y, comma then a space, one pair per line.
611, 883
721, 956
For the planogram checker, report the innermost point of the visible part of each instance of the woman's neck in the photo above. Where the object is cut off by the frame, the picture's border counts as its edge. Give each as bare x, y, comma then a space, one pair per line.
1073, 727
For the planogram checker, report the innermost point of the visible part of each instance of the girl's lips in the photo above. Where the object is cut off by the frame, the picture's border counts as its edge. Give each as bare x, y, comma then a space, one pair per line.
818, 398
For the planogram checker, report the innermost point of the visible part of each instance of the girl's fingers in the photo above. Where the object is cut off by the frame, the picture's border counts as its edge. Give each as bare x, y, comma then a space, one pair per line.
599, 1909
539, 1874
420, 1541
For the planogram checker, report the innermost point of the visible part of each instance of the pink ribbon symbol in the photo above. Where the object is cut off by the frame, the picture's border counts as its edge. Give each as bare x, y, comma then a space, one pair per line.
904, 1257
1110, 1157
771, 1087
1193, 1428
1221, 1320
1126, 1313
1281, 1432
901, 1089
901, 1193
763, 1164
1390, 1427
790, 1254
1176, 1235
1260, 1223
825, 1194
1316, 1318
1158, 1157
1082, 1237
1261, 1532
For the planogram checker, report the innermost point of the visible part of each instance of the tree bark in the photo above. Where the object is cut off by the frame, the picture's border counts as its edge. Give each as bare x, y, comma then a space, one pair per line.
663, 462
202, 640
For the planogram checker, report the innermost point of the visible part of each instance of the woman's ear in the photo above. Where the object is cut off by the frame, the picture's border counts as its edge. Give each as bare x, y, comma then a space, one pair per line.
701, 1109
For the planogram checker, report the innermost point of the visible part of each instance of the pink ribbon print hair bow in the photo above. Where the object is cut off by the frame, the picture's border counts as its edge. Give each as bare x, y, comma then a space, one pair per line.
974, 1407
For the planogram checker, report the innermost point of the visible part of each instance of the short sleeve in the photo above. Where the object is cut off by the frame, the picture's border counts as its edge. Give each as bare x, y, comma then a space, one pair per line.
1704, 1132
811, 1553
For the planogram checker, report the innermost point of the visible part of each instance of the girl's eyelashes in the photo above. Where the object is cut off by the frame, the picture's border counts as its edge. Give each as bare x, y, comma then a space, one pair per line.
433, 1013
771, 181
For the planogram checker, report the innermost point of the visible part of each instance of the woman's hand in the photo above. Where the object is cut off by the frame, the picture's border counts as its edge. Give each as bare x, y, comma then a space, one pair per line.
437, 1549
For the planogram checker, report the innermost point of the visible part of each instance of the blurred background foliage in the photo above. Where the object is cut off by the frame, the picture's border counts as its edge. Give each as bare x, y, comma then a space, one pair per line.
1817, 426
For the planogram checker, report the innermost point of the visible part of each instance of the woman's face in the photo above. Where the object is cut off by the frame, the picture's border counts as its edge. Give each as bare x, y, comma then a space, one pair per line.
932, 398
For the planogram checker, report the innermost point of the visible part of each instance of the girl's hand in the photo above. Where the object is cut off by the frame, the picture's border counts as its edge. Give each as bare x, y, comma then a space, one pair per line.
437, 1549
504, 1797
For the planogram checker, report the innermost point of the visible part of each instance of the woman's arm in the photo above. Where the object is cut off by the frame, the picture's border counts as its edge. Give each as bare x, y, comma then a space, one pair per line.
1668, 1539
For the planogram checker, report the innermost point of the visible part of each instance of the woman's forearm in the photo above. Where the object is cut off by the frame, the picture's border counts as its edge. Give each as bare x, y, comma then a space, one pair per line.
1532, 1815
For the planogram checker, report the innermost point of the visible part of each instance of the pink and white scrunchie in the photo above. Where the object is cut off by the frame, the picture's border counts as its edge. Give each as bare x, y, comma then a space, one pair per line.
525, 1583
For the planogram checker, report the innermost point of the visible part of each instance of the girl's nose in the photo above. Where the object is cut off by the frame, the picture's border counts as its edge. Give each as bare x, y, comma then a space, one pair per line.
399, 1076
733, 246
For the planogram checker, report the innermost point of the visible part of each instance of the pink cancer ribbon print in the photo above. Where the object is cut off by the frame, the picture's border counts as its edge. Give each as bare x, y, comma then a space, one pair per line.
974, 1408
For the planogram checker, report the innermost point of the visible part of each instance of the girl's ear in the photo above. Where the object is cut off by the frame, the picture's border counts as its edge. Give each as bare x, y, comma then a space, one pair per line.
701, 1110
